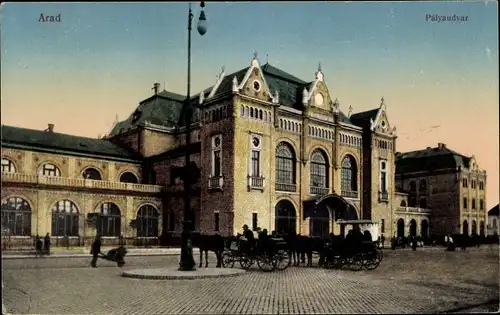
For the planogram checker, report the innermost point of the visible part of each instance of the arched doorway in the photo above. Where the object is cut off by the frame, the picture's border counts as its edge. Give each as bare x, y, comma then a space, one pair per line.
286, 217
16, 217
147, 221
110, 220
401, 228
413, 228
65, 219
474, 227
481, 228
320, 222
424, 228
465, 228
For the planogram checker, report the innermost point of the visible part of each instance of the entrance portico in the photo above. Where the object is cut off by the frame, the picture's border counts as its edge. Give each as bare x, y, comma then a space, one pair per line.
324, 211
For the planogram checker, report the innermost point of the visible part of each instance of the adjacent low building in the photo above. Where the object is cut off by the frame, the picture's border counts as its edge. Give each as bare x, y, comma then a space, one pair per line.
494, 221
449, 183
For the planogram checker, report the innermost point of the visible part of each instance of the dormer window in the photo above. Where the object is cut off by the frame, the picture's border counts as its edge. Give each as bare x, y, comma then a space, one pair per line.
136, 115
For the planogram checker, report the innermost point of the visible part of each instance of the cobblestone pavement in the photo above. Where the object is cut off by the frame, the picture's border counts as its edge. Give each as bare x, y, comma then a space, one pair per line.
406, 282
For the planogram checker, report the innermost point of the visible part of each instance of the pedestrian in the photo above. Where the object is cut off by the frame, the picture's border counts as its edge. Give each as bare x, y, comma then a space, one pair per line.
46, 244
382, 241
95, 250
38, 246
414, 243
66, 241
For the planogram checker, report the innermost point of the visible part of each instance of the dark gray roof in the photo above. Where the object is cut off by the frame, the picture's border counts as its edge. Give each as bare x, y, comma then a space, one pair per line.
430, 159
24, 138
165, 108
494, 211
362, 119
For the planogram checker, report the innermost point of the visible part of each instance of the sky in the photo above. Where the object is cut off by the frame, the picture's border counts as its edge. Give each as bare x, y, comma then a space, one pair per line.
439, 79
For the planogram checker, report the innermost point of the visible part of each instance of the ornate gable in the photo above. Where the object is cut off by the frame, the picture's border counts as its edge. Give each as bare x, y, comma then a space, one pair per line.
254, 84
381, 122
317, 94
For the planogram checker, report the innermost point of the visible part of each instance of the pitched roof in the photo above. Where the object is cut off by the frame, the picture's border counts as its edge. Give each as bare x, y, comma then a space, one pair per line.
430, 159
162, 109
23, 138
165, 108
362, 119
494, 211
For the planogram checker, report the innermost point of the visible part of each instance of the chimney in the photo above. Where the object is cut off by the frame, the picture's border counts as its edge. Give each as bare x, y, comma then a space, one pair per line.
156, 88
428, 148
441, 145
51, 128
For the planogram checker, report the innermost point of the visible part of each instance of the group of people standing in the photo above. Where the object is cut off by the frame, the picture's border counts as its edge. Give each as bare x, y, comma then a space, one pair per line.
42, 245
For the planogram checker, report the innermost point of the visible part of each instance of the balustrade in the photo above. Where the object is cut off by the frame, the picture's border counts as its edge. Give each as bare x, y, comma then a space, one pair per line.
77, 182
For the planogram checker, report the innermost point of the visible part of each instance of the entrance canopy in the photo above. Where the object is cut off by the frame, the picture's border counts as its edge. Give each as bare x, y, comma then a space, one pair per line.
338, 207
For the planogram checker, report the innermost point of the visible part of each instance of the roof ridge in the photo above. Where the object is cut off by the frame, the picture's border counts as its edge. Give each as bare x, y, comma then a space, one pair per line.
57, 133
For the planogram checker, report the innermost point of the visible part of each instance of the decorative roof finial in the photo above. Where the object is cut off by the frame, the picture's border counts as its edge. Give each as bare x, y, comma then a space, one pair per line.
255, 54
319, 66
305, 96
350, 111
267, 58
235, 85
223, 68
382, 103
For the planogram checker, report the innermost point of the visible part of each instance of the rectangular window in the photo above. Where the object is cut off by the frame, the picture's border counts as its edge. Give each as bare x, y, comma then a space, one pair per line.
465, 203
217, 163
382, 226
383, 179
481, 204
216, 221
473, 203
254, 221
216, 156
255, 163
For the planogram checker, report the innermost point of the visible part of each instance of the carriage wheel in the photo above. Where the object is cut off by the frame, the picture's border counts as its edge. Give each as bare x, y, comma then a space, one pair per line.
355, 262
373, 262
380, 254
281, 260
337, 262
227, 260
266, 263
246, 261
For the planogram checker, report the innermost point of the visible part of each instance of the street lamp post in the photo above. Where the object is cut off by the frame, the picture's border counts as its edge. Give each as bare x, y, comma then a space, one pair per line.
187, 260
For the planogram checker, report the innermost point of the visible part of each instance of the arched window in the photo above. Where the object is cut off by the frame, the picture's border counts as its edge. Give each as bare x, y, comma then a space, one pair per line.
265, 116
412, 196
49, 169
147, 221
423, 185
349, 183
65, 219
242, 111
423, 203
110, 218
260, 114
286, 218
473, 203
474, 227
285, 167
8, 166
319, 172
251, 112
129, 177
403, 203
16, 217
246, 111
92, 173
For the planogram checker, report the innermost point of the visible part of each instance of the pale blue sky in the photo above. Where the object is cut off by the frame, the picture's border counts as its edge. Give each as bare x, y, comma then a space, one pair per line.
103, 58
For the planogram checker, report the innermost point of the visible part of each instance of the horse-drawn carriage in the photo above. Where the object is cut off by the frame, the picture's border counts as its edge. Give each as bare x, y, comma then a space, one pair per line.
355, 256
270, 255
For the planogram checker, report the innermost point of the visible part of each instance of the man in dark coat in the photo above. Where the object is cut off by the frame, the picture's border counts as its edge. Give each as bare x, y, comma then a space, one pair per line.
39, 246
46, 244
95, 250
